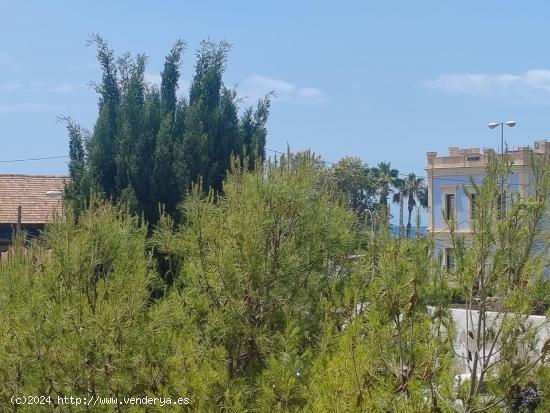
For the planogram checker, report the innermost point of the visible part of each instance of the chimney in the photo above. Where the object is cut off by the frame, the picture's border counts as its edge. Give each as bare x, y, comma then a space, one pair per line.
453, 151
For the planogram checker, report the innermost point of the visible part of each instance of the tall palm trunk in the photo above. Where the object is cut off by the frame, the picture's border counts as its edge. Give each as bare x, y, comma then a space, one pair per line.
417, 235
401, 229
411, 207
384, 203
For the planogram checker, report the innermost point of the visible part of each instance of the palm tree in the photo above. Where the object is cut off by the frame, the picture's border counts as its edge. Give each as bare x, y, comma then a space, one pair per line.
398, 197
423, 201
386, 178
423, 197
413, 188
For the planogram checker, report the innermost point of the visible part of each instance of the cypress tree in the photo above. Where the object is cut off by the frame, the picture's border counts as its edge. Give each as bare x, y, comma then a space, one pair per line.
254, 131
168, 189
170, 77
148, 147
204, 97
102, 146
79, 186
130, 123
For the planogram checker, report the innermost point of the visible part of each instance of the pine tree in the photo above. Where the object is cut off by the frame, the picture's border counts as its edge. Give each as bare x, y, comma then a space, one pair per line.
274, 303
258, 267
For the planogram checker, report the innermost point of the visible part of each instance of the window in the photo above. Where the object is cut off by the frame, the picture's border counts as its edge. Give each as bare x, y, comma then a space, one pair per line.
472, 205
449, 258
449, 207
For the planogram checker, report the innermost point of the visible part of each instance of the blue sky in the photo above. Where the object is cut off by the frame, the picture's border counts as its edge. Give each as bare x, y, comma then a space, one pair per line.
386, 80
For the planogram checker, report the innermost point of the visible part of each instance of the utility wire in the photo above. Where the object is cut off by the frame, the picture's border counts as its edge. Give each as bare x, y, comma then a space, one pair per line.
33, 159
271, 150
267, 149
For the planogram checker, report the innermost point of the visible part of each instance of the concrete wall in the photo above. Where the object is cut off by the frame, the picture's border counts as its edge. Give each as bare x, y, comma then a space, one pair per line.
464, 342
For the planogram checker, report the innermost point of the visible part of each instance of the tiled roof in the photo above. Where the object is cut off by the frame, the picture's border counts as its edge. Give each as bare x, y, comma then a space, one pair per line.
31, 193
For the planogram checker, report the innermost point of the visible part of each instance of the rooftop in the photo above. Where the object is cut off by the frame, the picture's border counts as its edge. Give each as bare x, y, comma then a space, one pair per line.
31, 193
478, 157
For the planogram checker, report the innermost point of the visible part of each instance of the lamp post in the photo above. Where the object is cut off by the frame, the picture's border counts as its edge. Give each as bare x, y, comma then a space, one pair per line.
493, 125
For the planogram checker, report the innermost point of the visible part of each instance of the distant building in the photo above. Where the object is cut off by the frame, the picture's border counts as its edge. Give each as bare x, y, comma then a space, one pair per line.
36, 199
451, 194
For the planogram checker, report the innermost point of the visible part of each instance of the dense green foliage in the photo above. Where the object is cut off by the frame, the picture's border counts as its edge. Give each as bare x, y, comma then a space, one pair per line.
357, 185
279, 302
148, 146
276, 287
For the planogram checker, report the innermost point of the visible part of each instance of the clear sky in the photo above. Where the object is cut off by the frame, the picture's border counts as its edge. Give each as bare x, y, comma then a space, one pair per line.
385, 80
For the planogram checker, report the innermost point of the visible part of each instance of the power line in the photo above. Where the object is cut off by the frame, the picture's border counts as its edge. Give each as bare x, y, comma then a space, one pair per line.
267, 149
274, 151
33, 159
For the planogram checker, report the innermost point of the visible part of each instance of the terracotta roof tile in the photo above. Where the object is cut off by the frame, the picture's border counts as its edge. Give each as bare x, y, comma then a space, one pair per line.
30, 192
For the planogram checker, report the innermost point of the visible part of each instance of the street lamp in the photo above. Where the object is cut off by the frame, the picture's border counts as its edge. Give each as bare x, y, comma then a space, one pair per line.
493, 125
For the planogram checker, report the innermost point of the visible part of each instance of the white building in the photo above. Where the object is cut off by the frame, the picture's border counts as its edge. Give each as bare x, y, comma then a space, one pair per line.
450, 190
